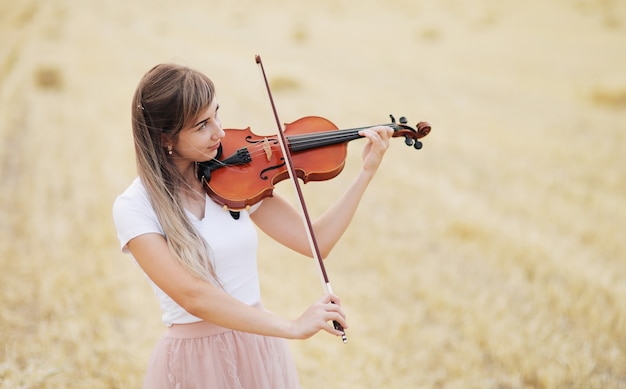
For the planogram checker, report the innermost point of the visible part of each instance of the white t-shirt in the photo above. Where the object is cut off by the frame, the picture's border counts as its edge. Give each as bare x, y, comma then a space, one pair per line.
233, 245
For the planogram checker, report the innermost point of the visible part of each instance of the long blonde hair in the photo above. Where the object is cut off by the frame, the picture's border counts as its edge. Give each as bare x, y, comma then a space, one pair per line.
167, 97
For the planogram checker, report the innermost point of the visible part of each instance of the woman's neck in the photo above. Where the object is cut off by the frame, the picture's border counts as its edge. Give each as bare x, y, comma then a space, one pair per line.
192, 192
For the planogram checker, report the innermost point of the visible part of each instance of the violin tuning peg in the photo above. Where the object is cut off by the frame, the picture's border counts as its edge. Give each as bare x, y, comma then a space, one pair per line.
417, 145
403, 120
408, 141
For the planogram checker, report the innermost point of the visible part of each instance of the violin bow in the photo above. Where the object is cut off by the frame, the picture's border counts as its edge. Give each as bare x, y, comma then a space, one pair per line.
305, 213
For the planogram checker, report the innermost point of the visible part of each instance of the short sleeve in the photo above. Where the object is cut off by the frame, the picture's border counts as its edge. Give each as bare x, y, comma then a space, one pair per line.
133, 215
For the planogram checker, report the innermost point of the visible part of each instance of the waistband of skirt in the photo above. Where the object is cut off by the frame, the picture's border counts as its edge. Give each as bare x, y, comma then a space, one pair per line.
198, 329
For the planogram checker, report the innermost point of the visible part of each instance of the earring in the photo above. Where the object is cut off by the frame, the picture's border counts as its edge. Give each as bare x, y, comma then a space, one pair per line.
169, 149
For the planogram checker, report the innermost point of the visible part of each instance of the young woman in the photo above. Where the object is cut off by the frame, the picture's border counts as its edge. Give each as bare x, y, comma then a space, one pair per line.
201, 261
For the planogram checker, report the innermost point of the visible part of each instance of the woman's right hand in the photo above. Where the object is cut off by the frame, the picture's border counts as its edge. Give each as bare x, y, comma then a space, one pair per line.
319, 316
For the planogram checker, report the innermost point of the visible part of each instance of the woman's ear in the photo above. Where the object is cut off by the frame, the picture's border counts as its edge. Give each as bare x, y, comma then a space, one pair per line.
167, 142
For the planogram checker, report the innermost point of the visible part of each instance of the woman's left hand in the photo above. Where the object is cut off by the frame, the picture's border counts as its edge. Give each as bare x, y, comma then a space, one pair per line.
376, 147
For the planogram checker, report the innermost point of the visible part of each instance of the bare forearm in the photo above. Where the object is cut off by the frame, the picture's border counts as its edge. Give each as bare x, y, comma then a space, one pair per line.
228, 312
332, 224
223, 310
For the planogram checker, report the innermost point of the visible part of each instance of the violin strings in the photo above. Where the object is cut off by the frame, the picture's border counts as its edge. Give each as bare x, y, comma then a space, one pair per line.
298, 144
324, 138
307, 141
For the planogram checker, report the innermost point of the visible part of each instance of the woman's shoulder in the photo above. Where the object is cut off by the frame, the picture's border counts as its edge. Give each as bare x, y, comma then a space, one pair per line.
133, 214
135, 195
135, 188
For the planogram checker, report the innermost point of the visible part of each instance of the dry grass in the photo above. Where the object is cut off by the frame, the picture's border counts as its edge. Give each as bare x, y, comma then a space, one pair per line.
492, 258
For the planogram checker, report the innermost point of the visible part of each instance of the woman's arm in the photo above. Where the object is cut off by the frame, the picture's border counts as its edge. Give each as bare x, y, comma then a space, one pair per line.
278, 219
209, 302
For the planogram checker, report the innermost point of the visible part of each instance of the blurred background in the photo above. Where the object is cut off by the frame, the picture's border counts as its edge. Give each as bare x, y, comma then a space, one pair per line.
492, 258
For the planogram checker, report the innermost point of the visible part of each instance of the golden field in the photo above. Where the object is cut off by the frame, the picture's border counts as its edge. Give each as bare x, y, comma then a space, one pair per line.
495, 257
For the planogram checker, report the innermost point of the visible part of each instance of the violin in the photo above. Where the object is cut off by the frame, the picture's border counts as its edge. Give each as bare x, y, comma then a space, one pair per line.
255, 164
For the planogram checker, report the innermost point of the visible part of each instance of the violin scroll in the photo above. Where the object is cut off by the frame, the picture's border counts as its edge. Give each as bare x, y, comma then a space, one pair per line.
411, 135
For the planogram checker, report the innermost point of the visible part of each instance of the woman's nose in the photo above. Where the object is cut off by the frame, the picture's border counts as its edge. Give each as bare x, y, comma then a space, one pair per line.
219, 134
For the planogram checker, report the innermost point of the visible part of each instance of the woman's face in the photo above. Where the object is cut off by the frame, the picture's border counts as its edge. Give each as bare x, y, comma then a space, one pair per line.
200, 139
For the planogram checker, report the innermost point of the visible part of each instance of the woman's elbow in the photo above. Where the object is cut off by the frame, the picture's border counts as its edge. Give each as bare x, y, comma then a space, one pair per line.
193, 301
323, 253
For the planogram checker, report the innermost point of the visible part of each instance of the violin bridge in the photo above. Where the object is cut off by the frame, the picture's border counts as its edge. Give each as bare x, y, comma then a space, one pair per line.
267, 148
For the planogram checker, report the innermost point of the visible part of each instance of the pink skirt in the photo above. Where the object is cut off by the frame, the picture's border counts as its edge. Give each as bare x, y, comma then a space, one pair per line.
205, 356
